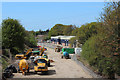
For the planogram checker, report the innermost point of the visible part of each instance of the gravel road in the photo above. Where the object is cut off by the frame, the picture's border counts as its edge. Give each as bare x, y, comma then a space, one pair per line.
61, 68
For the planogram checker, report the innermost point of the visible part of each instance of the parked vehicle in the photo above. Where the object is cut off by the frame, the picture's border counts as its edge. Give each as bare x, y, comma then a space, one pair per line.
46, 57
48, 41
58, 48
65, 55
41, 65
23, 66
24, 55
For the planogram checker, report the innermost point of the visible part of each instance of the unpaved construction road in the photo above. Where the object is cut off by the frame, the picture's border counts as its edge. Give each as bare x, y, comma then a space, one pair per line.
61, 68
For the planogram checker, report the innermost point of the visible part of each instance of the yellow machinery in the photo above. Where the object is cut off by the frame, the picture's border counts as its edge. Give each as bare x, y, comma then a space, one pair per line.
21, 56
46, 58
23, 66
41, 51
41, 65
48, 62
28, 51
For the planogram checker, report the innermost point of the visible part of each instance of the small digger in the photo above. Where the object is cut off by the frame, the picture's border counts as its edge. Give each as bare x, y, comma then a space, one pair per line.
23, 66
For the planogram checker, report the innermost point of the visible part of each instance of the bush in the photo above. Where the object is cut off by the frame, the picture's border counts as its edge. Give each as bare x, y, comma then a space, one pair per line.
91, 51
72, 41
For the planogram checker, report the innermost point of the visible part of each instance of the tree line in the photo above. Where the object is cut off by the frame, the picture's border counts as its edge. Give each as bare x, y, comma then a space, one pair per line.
41, 32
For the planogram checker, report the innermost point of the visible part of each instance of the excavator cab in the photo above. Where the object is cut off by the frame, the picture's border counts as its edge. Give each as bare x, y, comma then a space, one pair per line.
45, 55
35, 53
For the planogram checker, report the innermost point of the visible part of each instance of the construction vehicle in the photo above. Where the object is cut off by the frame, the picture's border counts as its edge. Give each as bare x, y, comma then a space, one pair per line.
41, 65
38, 53
42, 54
24, 55
33, 58
41, 51
46, 57
65, 55
23, 66
33, 53
58, 48
19, 56
28, 53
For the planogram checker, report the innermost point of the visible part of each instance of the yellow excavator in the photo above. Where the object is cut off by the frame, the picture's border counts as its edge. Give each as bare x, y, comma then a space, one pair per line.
28, 53
41, 65
25, 55
41, 51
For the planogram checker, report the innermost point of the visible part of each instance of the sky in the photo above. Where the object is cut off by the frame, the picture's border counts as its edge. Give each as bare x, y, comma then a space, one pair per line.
44, 15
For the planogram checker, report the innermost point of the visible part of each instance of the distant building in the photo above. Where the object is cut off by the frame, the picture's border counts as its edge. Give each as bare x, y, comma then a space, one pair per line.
63, 40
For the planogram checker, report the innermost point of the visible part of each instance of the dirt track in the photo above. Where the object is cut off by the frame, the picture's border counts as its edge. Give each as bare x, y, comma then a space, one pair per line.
61, 68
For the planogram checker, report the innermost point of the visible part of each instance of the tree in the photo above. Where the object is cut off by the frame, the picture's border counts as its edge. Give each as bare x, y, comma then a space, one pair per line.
0, 38
56, 30
12, 34
30, 39
75, 31
110, 29
86, 31
68, 29
40, 32
60, 29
